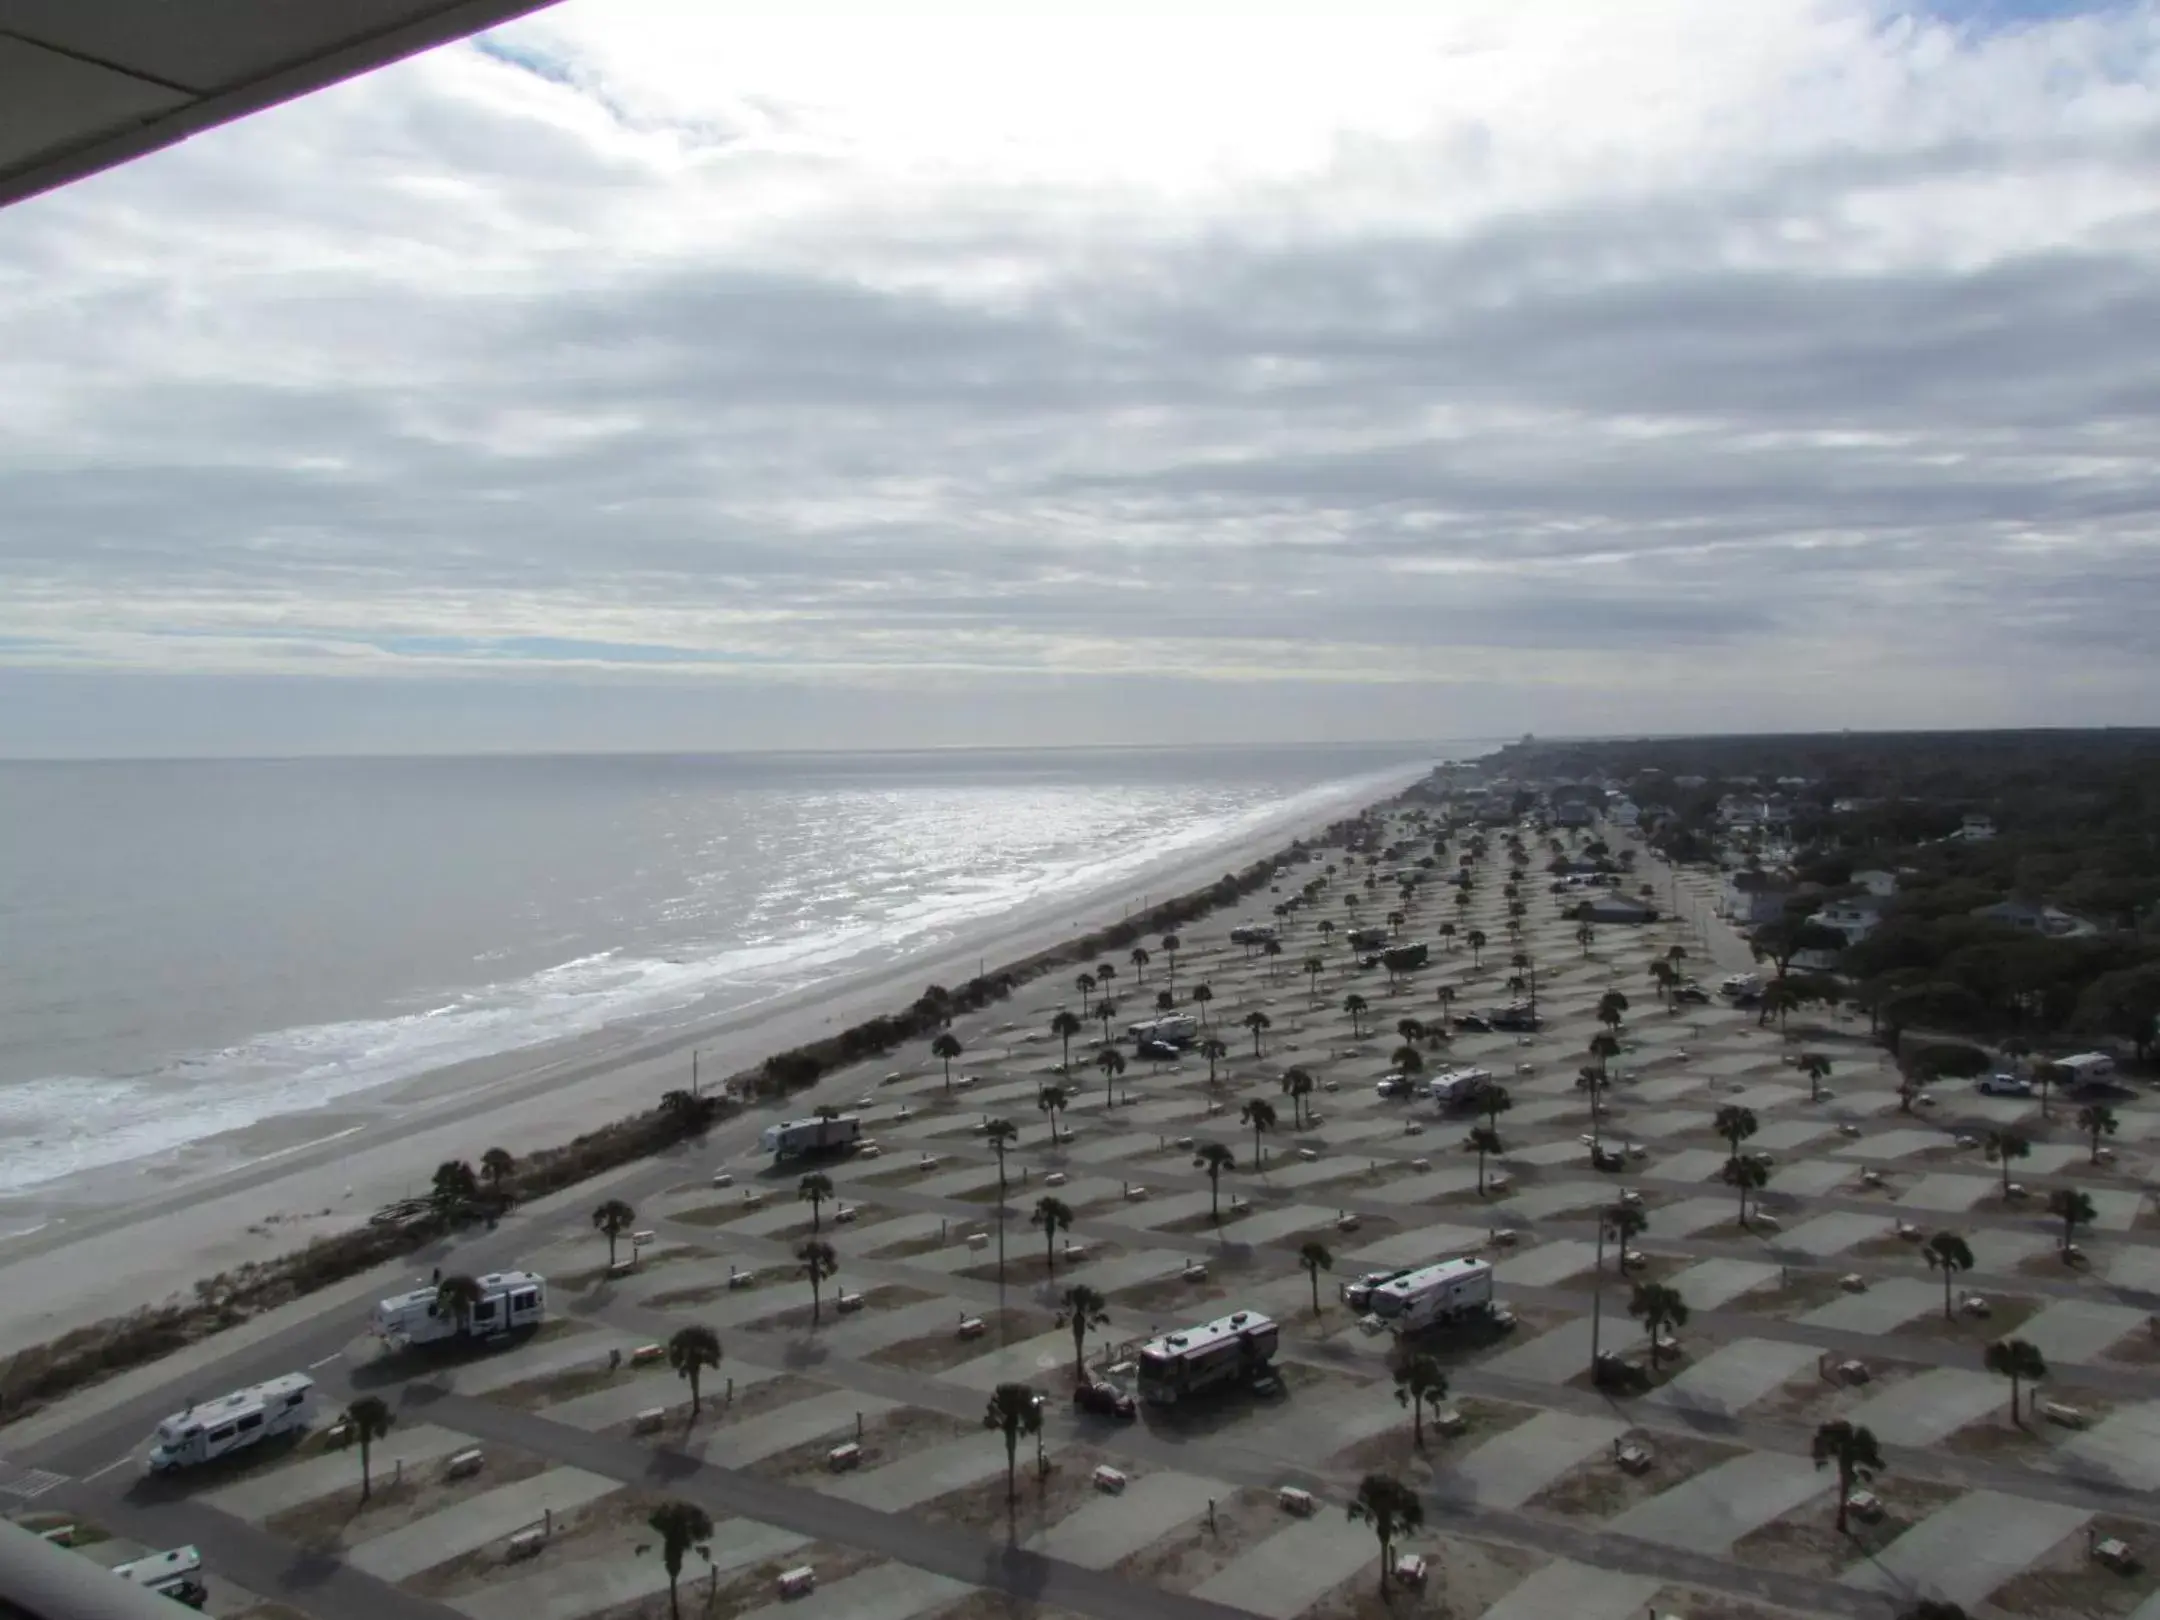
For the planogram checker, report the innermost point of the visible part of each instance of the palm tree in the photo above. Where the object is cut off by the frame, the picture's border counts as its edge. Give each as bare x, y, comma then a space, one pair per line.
1201, 996
1746, 1176
1445, 995
693, 1349
1085, 984
1494, 1101
999, 1136
1214, 1051
2045, 1074
2018, 1360
613, 1218
1112, 1063
1106, 1009
813, 1190
1657, 1307
1170, 944
1852, 1449
1313, 965
1586, 936
1053, 1216
1082, 1308
369, 1418
2002, 1147
2074, 1210
1214, 1158
1604, 1046
1420, 1382
1355, 1005
1591, 1078
680, 1527
1485, 1142
1259, 1113
945, 1048
1392, 1509
1165, 1001
1736, 1125
1612, 1010
1297, 1084
1258, 1022
1406, 1060
2096, 1120
497, 1166
1949, 1254
1623, 1223
818, 1262
1065, 1026
1664, 975
1817, 1069
458, 1295
1475, 939
1314, 1257
1014, 1410
1411, 1030
1105, 975
1052, 1101
456, 1187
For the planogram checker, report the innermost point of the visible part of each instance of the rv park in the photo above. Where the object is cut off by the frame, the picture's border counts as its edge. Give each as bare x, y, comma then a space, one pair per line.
843, 1432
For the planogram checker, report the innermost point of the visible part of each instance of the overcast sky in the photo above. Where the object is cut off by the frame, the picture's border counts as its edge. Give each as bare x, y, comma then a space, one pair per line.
645, 376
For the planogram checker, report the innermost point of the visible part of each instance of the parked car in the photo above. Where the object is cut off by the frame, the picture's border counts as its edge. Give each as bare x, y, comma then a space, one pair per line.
1691, 992
1472, 1024
2005, 1085
1103, 1398
1158, 1051
1396, 1086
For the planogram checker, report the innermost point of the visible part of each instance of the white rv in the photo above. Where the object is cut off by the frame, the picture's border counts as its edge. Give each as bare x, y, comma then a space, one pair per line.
1447, 1292
1172, 1029
509, 1300
1459, 1086
1226, 1350
1357, 1294
176, 1574
233, 1422
802, 1137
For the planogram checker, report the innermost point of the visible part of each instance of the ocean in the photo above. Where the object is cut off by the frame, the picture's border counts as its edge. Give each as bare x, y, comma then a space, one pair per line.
187, 947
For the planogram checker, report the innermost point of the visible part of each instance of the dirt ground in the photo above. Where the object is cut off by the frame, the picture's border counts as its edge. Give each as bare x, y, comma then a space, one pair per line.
1803, 1291
1392, 1450
532, 1393
2006, 1314
760, 1277
395, 1502
1465, 1579
1690, 1603
2140, 1348
884, 1437
1029, 1265
1190, 1553
941, 1351
1000, 1606
797, 1318
2069, 1580
1806, 1541
742, 1591
765, 1395
2033, 1437
1041, 1500
1597, 1489
615, 1521
652, 1259
1808, 1397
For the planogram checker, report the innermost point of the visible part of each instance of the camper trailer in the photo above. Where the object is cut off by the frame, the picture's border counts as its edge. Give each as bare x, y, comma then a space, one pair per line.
1357, 1294
1231, 1349
1447, 1292
1459, 1087
803, 1138
509, 1300
233, 1422
1174, 1029
176, 1574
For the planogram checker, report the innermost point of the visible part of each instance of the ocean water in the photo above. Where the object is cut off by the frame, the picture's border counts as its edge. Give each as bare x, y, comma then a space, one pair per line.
187, 947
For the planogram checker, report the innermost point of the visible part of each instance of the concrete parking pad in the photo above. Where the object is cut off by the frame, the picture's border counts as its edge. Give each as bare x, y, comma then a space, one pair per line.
885, 1592
1566, 1151
1555, 1357
1041, 1361
932, 1471
1111, 1527
1734, 1376
832, 1413
1834, 1233
1693, 1215
476, 1521
2114, 1208
1947, 1191
1810, 1178
1968, 1549
1783, 1135
2134, 1267
1931, 1407
2124, 1447
260, 1495
1564, 1591
2079, 1329
1708, 1513
540, 1361
1708, 1284
870, 1330
1894, 1144
1509, 1469
1536, 1203
1451, 1174
1885, 1305
565, 1591
1547, 1263
1124, 1270
2000, 1248
1409, 1248
1294, 1567
618, 1403
1691, 1164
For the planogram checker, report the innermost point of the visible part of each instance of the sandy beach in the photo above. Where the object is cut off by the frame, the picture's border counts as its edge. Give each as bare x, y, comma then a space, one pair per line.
138, 1234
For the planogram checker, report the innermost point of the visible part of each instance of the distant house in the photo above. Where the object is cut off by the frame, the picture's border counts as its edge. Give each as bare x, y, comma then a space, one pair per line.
1852, 807
1977, 829
1624, 813
1690, 782
1741, 812
1877, 882
1615, 908
2050, 921
1855, 916
1574, 813
1751, 898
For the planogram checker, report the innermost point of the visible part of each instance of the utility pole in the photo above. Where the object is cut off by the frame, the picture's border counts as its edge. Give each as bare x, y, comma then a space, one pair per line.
693, 1072
1597, 1296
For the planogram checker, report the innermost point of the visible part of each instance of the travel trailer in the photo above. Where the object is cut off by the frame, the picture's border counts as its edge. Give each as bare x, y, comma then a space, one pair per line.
801, 1138
1357, 1294
509, 1300
1447, 1292
1231, 1349
1174, 1030
246, 1417
1459, 1086
176, 1574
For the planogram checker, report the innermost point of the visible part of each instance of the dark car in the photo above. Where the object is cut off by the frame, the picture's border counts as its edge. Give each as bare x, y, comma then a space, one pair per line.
1691, 992
1159, 1051
1472, 1023
1104, 1399
1266, 1381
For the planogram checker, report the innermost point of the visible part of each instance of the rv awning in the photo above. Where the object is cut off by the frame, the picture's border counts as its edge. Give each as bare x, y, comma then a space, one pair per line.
88, 84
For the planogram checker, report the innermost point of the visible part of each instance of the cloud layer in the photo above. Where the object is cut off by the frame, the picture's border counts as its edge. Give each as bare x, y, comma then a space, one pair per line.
1556, 365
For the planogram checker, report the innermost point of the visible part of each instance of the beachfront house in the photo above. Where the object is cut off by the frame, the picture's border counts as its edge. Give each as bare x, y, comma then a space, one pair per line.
1877, 882
1976, 829
1855, 916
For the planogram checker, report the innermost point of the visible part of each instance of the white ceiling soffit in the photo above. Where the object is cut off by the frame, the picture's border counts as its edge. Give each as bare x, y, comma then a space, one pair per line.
87, 84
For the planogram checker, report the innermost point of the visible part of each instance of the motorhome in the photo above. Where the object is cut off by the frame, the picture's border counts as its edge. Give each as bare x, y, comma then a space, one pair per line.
176, 1574
233, 1422
1460, 1086
1736, 985
1175, 1030
1357, 1294
1447, 1292
801, 1138
1368, 939
509, 1300
1231, 1349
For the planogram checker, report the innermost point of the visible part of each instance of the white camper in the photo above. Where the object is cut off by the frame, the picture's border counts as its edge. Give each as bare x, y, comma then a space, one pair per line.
1459, 1086
233, 1422
1172, 1029
1357, 1294
802, 1137
176, 1574
1230, 1348
1431, 1295
509, 1300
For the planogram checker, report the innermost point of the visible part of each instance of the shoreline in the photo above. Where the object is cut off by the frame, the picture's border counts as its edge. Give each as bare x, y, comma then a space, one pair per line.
298, 1176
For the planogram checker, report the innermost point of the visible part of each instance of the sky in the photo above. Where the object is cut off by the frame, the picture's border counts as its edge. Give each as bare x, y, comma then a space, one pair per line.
685, 376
